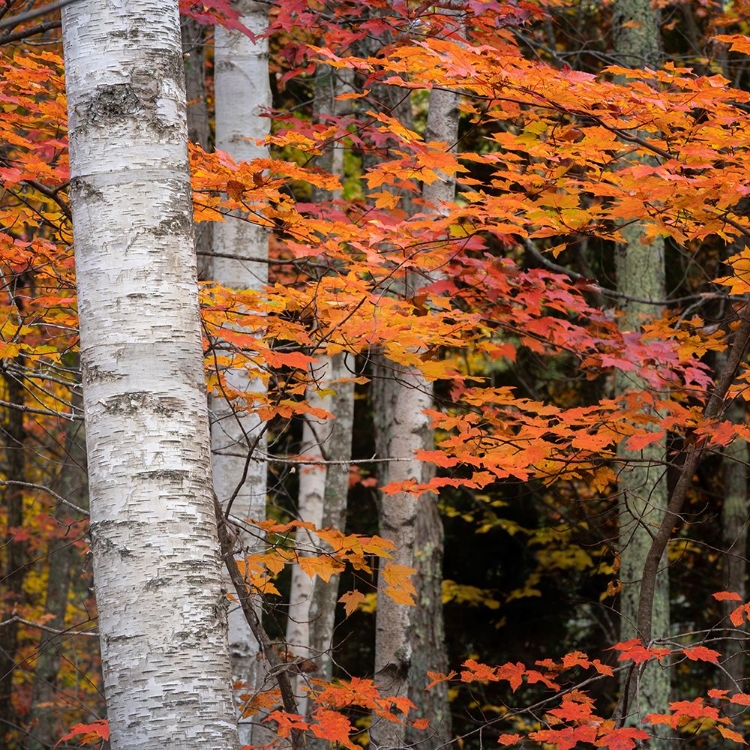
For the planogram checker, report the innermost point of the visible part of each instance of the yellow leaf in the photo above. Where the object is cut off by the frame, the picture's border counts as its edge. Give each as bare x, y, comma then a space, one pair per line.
399, 586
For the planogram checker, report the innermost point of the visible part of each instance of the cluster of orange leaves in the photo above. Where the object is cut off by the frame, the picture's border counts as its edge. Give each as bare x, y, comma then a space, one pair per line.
355, 550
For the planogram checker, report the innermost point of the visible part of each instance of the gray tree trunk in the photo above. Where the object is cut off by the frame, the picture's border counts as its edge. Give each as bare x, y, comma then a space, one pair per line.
642, 481
401, 429
238, 436
734, 519
410, 641
157, 568
14, 548
194, 37
428, 635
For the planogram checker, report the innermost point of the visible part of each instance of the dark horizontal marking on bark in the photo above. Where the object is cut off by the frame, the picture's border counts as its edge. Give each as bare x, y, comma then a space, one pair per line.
140, 401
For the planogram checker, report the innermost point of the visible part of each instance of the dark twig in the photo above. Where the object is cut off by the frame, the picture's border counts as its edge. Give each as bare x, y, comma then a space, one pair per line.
16, 36
279, 668
34, 13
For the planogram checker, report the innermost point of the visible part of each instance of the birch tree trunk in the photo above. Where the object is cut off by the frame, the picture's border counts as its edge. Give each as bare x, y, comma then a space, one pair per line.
400, 398
162, 611
238, 437
642, 481
323, 489
409, 641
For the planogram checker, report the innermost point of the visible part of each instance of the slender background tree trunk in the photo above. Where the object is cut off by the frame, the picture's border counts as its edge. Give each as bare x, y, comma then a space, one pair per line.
323, 489
238, 437
14, 464
72, 484
642, 483
194, 39
411, 640
734, 520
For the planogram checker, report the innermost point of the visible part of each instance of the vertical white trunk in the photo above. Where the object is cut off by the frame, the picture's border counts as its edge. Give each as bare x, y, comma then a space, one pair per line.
162, 613
194, 38
312, 488
238, 441
323, 489
322, 502
410, 641
400, 399
428, 629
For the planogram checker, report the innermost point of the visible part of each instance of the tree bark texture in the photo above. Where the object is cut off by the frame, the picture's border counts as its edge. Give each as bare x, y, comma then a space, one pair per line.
411, 640
194, 39
642, 482
734, 520
157, 567
401, 429
323, 491
238, 436
428, 634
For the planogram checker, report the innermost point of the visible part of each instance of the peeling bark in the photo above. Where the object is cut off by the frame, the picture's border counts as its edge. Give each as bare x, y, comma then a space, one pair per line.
157, 567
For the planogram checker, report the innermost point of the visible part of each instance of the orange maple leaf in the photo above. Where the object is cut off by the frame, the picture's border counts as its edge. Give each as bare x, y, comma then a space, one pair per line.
351, 600
701, 653
509, 739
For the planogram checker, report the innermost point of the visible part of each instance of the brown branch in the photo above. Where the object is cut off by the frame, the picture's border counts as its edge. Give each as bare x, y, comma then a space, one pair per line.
46, 629
711, 411
32, 31
279, 668
35, 13
53, 194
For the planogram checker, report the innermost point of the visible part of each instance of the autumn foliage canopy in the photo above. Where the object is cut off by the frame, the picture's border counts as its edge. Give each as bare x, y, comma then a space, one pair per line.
504, 300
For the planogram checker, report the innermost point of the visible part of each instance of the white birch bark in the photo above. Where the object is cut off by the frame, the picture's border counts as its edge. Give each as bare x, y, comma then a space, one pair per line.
400, 399
238, 439
323, 489
162, 611
410, 641
428, 628
322, 502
